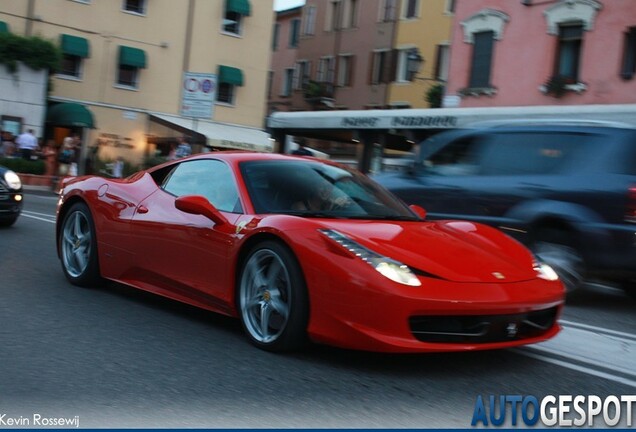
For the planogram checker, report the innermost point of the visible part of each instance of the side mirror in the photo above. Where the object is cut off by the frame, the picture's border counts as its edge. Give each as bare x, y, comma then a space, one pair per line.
199, 205
418, 211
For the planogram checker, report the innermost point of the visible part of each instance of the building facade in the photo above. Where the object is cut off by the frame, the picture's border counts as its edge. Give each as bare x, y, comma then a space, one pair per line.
422, 47
344, 55
149, 71
531, 52
285, 38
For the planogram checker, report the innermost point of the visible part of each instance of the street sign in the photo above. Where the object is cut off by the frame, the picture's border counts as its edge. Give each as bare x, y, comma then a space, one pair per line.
198, 95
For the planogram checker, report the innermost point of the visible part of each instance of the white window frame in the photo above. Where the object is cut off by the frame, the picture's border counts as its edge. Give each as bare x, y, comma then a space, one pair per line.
345, 69
288, 82
388, 10
443, 66
144, 8
232, 88
325, 72
330, 24
350, 14
239, 24
80, 69
294, 37
309, 22
405, 8
377, 66
584, 11
402, 73
134, 85
302, 72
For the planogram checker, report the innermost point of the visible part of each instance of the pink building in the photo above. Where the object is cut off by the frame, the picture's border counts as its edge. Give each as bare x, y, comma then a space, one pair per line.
285, 40
542, 52
344, 54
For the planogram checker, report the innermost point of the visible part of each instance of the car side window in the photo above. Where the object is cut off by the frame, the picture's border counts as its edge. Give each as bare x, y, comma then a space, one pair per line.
530, 153
210, 178
459, 157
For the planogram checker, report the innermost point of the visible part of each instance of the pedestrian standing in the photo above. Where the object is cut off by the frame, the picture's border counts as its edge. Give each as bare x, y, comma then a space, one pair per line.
183, 149
27, 144
49, 153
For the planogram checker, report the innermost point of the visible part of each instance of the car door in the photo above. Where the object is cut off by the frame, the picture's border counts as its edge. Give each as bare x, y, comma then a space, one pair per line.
442, 184
188, 255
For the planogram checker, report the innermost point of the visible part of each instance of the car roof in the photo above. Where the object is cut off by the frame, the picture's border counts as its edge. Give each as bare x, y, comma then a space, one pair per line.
236, 157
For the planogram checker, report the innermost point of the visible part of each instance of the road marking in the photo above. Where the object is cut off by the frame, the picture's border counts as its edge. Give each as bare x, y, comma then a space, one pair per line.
33, 215
52, 198
578, 368
593, 350
39, 214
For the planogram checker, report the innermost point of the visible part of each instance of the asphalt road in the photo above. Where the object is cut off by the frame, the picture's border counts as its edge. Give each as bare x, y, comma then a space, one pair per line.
116, 357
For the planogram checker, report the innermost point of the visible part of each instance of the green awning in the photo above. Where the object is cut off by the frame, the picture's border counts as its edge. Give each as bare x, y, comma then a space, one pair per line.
74, 45
230, 75
133, 57
4, 27
241, 7
70, 114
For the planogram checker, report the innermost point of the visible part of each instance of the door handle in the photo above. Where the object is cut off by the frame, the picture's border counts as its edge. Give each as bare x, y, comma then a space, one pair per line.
142, 209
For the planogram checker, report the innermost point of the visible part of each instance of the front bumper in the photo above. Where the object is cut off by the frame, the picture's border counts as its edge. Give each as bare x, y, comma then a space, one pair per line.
10, 204
374, 314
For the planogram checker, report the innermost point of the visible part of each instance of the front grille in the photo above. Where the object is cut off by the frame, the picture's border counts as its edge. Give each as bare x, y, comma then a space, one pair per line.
482, 328
3, 189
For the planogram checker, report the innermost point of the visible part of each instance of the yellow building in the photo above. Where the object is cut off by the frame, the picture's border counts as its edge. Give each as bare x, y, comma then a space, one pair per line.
148, 71
422, 39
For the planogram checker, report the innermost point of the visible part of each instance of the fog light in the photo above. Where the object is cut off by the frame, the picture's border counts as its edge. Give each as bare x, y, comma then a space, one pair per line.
18, 198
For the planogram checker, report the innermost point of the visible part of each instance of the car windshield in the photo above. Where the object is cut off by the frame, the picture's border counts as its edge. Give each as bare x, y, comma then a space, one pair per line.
314, 189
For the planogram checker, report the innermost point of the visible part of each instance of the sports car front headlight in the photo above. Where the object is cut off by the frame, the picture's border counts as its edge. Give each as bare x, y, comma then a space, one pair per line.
12, 180
389, 268
544, 271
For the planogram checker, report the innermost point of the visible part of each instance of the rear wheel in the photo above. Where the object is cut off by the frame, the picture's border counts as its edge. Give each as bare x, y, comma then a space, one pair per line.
272, 298
557, 248
78, 247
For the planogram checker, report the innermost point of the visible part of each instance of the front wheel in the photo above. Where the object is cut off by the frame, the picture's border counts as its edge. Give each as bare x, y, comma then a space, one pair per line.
78, 247
272, 298
4, 223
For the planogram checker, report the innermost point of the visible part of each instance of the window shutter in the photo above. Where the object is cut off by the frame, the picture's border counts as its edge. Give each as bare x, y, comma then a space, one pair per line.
629, 55
482, 59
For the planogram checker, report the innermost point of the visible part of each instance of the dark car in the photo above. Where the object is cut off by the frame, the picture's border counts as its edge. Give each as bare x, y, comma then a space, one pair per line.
10, 197
566, 189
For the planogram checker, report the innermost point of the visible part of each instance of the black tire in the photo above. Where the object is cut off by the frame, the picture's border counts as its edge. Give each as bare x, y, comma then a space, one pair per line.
630, 287
279, 297
78, 247
5, 223
558, 248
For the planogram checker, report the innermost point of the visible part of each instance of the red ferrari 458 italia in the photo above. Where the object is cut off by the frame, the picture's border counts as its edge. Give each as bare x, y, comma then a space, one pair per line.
299, 249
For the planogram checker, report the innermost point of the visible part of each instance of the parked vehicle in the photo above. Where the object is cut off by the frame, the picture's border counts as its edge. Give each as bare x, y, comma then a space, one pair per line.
565, 188
297, 248
10, 197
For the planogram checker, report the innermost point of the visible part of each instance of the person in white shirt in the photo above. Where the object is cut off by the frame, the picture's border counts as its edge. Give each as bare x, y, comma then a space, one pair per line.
27, 144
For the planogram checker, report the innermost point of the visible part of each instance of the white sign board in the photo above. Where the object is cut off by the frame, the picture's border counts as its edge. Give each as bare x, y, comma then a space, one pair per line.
198, 95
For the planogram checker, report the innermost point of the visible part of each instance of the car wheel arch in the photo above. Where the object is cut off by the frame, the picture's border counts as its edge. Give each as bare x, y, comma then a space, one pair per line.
253, 241
68, 204
271, 242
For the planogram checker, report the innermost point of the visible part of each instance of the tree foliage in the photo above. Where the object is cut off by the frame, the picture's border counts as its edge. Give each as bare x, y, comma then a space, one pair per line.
35, 52
434, 95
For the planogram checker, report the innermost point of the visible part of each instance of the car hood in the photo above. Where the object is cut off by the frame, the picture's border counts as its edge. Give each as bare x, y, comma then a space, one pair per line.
457, 251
